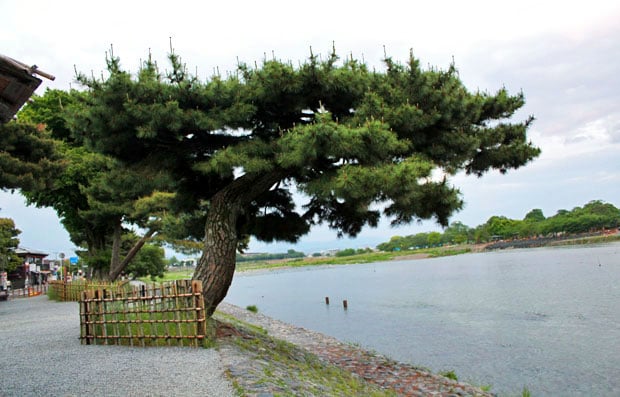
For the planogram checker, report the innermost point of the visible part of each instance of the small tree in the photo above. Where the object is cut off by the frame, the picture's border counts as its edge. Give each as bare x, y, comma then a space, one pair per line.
149, 261
535, 215
457, 233
8, 242
434, 238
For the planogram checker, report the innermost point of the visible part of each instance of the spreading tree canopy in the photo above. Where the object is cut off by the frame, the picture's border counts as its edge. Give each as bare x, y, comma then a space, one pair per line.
355, 141
93, 194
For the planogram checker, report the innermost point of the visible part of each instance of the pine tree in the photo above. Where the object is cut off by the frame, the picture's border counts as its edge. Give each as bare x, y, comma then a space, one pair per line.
356, 142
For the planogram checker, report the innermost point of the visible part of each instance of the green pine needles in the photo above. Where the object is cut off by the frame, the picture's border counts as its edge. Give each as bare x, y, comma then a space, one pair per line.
359, 143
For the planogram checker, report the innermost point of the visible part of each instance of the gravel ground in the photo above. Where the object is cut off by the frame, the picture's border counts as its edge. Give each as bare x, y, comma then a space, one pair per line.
41, 355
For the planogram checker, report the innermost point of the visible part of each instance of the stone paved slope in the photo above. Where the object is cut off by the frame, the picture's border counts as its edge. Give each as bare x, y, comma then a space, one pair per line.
405, 379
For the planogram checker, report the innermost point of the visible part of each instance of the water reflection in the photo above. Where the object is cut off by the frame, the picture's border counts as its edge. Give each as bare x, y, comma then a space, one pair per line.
548, 319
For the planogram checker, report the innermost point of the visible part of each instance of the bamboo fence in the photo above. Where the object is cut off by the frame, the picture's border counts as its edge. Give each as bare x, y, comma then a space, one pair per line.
166, 314
71, 291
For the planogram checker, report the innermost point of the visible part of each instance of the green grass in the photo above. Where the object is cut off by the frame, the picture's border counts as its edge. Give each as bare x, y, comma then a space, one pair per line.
53, 295
252, 308
368, 257
292, 371
236, 323
450, 375
170, 275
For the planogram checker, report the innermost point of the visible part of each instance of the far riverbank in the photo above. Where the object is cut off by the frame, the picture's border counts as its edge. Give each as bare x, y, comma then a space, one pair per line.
425, 253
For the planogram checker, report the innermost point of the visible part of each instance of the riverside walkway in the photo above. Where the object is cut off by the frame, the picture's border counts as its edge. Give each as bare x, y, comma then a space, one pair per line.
42, 355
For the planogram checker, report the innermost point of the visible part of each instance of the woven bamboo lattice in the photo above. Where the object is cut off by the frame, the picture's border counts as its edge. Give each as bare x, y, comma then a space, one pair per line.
167, 314
71, 291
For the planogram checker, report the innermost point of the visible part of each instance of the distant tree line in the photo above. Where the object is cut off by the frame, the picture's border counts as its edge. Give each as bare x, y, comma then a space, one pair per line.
594, 216
290, 254
353, 251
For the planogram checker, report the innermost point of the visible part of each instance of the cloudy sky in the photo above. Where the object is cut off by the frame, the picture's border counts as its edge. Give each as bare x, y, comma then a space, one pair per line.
566, 59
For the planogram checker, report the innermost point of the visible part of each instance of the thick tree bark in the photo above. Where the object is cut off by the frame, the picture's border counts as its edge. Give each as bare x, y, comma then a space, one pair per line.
216, 266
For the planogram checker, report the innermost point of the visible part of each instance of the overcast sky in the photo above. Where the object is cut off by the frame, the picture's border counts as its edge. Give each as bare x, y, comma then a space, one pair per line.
565, 57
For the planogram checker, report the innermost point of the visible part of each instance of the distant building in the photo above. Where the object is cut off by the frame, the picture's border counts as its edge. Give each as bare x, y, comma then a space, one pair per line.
33, 270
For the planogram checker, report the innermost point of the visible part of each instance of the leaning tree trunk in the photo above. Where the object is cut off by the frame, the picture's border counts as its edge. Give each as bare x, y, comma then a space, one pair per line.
116, 246
117, 266
216, 266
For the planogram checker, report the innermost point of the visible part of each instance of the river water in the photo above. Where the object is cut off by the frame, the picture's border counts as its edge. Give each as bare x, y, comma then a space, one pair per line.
547, 319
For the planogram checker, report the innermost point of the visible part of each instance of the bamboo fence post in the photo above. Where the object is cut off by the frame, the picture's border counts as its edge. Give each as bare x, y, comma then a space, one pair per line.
83, 319
188, 304
97, 317
199, 309
89, 318
154, 311
176, 313
138, 316
103, 310
116, 317
127, 318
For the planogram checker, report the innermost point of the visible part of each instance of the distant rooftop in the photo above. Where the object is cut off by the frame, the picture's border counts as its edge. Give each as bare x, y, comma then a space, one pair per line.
25, 251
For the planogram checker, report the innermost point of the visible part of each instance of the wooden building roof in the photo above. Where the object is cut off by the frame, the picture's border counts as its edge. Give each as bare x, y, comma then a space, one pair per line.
17, 84
23, 252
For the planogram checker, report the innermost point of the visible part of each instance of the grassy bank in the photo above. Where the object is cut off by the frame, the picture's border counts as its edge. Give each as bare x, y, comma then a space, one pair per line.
374, 257
369, 257
285, 368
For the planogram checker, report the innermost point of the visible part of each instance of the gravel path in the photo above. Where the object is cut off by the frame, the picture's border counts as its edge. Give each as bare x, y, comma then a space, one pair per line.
41, 355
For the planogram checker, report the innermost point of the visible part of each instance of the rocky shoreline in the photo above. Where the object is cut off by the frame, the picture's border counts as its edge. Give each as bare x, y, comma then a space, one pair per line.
255, 374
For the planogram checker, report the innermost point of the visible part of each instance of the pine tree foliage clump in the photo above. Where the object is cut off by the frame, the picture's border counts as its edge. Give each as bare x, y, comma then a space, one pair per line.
8, 243
27, 158
356, 142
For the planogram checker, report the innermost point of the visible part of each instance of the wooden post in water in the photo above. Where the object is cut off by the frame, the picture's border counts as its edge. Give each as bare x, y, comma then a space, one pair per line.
327, 300
345, 304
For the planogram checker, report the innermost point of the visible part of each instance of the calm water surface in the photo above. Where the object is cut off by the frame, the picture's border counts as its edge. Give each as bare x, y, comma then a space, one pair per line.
546, 318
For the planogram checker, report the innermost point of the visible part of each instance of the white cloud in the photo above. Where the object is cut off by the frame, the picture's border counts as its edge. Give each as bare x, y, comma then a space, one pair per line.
564, 57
